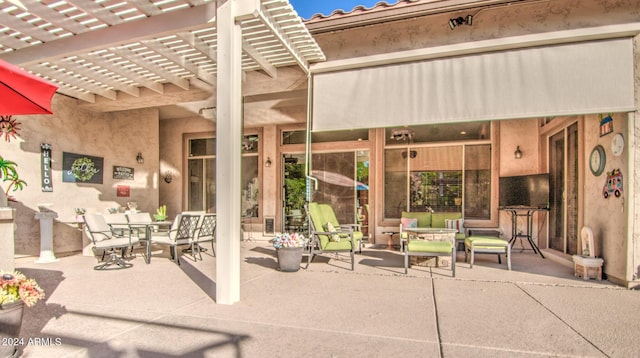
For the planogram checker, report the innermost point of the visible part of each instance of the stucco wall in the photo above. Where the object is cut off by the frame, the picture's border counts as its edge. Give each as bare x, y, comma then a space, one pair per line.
513, 19
172, 156
523, 133
607, 217
117, 137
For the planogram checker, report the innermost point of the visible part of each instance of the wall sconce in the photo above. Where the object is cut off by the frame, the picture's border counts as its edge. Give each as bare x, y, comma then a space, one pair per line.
412, 154
518, 153
139, 158
453, 23
268, 162
167, 177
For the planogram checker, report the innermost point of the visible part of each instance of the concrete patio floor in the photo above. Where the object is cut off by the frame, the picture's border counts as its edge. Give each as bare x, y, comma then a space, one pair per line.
165, 310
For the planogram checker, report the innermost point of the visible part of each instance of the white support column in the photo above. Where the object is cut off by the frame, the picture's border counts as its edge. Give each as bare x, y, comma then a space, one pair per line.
632, 194
229, 123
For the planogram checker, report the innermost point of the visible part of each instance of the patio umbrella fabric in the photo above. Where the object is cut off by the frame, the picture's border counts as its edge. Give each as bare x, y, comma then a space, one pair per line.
23, 93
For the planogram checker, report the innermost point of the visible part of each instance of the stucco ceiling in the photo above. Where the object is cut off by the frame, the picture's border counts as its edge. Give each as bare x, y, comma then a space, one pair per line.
118, 55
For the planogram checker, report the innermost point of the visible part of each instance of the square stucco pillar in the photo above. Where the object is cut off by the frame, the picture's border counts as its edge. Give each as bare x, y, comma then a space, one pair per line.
7, 238
229, 125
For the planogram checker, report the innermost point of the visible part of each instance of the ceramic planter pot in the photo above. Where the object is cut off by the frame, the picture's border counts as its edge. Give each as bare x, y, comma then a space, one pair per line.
10, 323
289, 258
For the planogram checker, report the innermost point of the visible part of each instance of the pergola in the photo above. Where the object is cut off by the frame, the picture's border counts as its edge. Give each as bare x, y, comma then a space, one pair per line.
116, 55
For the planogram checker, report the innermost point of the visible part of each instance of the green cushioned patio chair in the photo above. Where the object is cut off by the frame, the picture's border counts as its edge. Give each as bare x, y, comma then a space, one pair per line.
414, 246
325, 236
346, 229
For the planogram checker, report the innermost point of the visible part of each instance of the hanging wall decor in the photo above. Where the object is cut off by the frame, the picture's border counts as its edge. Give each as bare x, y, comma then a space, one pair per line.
9, 128
79, 168
606, 125
613, 185
45, 167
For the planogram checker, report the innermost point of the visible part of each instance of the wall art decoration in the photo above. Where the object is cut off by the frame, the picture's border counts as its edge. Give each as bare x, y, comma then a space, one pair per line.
80, 168
606, 125
123, 191
122, 172
613, 185
45, 167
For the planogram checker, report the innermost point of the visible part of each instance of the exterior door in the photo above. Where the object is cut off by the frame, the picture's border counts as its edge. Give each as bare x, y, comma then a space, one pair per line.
294, 193
563, 173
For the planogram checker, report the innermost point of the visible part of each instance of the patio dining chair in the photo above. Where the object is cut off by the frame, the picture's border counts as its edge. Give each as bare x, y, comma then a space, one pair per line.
119, 226
206, 232
139, 222
106, 241
181, 233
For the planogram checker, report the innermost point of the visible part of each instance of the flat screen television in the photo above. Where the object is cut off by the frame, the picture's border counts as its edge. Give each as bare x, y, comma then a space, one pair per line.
525, 191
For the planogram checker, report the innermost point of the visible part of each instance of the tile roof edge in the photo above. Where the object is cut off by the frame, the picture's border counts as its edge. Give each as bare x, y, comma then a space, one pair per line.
380, 5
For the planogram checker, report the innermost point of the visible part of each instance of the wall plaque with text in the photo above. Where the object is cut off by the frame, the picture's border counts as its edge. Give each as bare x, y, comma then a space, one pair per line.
45, 167
122, 172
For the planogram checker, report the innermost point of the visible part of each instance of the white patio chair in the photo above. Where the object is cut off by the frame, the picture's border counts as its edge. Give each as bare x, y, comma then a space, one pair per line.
206, 232
181, 233
106, 241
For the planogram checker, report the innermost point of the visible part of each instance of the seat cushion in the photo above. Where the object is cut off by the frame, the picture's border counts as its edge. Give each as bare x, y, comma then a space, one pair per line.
441, 247
485, 242
437, 219
116, 242
342, 245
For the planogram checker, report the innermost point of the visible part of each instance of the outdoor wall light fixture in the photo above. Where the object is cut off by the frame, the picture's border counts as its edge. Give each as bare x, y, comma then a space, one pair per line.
268, 163
139, 158
453, 23
412, 154
518, 153
167, 177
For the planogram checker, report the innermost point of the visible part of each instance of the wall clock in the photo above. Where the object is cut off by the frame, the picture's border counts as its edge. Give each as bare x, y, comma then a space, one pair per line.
617, 144
597, 160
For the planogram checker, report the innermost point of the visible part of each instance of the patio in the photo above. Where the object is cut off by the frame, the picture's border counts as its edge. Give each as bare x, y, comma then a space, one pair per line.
161, 309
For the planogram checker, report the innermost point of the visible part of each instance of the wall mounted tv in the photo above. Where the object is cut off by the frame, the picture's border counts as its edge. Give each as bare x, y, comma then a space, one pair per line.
525, 191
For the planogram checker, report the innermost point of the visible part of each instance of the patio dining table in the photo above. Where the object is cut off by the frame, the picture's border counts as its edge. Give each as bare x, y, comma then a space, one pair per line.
148, 228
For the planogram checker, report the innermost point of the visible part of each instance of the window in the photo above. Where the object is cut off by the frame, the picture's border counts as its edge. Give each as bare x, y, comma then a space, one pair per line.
477, 181
201, 167
420, 175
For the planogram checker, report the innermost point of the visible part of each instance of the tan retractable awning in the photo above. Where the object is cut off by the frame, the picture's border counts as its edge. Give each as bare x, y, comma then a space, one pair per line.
561, 79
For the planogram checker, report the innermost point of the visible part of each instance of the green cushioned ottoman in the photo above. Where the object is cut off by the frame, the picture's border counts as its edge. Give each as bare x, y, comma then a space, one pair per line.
487, 245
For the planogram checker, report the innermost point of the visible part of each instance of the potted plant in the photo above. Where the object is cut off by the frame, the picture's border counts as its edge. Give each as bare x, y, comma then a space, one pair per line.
16, 291
289, 248
161, 213
79, 213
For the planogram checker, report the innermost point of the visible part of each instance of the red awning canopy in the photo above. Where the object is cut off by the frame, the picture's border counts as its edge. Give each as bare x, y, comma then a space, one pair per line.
23, 93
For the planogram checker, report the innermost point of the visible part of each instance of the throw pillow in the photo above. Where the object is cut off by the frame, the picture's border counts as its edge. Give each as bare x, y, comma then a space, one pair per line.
457, 224
408, 223
331, 228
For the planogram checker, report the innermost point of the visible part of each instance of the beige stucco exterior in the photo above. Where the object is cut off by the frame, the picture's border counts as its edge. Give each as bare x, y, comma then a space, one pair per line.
272, 104
117, 137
